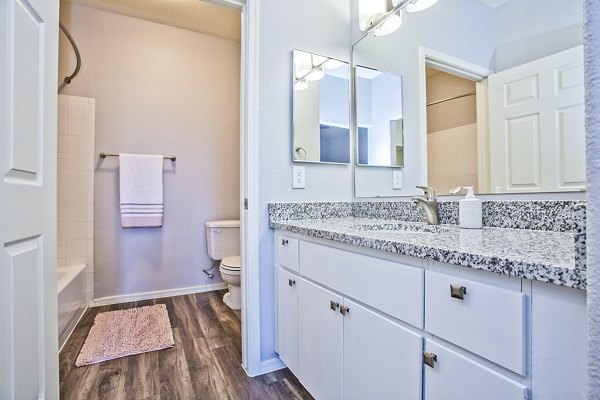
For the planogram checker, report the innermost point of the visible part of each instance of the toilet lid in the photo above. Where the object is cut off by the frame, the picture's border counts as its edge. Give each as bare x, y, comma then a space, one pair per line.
231, 263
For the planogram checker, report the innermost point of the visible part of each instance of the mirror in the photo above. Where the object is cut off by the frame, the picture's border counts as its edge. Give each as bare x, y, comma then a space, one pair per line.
492, 97
321, 109
378, 117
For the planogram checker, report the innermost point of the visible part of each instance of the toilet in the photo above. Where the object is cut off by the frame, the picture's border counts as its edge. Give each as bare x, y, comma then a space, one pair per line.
223, 243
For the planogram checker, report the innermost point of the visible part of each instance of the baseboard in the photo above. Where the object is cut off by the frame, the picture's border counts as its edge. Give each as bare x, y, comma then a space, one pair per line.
126, 298
270, 365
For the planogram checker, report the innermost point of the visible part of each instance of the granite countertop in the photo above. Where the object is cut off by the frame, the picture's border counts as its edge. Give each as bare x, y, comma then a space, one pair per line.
532, 254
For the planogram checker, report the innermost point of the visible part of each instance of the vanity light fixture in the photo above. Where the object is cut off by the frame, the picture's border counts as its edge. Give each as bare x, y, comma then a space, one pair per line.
374, 17
389, 25
419, 5
300, 85
316, 74
311, 69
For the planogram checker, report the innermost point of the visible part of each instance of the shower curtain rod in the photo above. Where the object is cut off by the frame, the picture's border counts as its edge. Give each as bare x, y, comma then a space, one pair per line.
69, 78
451, 98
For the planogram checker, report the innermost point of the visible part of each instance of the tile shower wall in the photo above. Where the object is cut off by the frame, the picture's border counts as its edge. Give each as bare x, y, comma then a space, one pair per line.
76, 116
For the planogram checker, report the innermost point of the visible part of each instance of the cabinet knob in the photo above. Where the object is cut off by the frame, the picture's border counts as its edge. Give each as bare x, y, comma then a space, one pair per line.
458, 291
429, 359
284, 241
334, 305
291, 282
344, 310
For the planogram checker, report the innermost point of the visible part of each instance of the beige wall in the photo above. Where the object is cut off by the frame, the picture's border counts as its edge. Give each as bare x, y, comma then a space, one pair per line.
451, 133
158, 90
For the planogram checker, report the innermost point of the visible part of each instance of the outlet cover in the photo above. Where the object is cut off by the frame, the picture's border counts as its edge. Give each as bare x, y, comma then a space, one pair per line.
397, 179
299, 177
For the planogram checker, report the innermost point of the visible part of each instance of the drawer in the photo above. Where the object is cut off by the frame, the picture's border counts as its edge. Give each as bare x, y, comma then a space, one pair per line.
391, 287
454, 376
287, 252
488, 320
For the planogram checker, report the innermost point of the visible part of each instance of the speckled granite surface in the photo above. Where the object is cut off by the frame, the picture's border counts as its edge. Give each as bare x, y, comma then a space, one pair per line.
580, 236
548, 215
540, 255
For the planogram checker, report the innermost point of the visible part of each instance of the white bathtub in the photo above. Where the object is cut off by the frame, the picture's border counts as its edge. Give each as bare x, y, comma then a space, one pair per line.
71, 299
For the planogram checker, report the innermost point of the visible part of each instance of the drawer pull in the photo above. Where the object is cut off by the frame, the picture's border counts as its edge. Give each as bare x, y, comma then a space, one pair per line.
291, 282
458, 291
334, 305
344, 310
429, 359
284, 242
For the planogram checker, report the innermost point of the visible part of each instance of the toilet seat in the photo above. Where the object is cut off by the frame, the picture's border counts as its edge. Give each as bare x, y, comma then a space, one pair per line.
231, 263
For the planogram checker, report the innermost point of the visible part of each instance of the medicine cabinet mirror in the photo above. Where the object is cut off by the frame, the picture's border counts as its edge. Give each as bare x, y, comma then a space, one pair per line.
492, 97
378, 117
321, 110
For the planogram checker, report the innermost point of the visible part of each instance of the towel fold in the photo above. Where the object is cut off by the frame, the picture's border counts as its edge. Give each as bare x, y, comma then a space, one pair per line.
141, 190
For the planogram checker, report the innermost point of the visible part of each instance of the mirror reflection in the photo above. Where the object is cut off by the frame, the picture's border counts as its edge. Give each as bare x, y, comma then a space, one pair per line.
321, 110
493, 99
378, 117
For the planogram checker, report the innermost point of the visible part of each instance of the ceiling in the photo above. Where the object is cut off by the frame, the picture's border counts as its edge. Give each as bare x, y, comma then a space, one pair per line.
493, 3
193, 15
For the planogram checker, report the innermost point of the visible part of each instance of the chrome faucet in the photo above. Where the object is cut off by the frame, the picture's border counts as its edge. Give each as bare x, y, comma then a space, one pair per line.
429, 204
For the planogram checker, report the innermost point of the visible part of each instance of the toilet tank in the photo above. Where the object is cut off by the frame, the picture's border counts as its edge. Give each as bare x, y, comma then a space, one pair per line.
222, 239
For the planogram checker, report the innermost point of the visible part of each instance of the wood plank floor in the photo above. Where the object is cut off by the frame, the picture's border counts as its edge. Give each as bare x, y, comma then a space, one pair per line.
204, 364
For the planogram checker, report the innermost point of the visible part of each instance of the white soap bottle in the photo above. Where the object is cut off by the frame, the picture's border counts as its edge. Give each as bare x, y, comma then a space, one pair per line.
469, 210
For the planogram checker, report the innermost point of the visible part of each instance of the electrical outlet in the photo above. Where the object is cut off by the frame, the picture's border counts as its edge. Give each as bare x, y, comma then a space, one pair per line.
397, 179
299, 177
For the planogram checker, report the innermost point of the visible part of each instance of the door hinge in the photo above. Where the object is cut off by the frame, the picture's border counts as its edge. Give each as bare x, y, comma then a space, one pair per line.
245, 204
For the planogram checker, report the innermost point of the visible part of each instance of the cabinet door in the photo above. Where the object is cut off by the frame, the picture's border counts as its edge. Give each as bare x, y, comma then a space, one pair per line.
382, 360
287, 318
454, 376
320, 344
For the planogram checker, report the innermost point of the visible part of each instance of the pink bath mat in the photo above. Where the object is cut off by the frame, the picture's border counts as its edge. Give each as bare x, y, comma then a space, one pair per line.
123, 333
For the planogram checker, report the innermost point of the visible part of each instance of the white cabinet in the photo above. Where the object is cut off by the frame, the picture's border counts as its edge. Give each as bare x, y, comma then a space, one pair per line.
484, 319
287, 318
382, 360
348, 351
454, 376
287, 252
320, 341
352, 326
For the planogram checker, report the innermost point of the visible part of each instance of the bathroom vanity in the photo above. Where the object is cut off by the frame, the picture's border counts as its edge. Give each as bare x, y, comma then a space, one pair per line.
376, 309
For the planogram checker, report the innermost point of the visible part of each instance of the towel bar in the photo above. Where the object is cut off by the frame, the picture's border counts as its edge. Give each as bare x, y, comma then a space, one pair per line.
104, 155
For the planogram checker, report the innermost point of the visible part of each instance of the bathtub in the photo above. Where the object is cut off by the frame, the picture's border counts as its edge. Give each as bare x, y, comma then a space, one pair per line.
72, 300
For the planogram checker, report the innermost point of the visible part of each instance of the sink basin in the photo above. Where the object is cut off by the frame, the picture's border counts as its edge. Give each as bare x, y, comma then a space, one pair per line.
402, 227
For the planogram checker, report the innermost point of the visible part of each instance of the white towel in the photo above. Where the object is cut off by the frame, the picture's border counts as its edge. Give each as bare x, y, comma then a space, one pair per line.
141, 190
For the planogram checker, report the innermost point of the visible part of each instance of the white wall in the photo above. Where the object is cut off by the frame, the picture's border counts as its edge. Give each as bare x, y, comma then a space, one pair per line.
531, 29
158, 90
321, 27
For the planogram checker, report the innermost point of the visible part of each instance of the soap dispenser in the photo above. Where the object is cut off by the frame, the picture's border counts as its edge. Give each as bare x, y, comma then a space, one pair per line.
469, 210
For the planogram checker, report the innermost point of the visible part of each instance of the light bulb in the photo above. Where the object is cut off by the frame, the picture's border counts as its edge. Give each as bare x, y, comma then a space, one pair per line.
318, 60
390, 25
420, 5
315, 75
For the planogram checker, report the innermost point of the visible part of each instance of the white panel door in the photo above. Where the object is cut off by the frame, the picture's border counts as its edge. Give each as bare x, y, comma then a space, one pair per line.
382, 360
320, 342
28, 97
287, 318
537, 136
